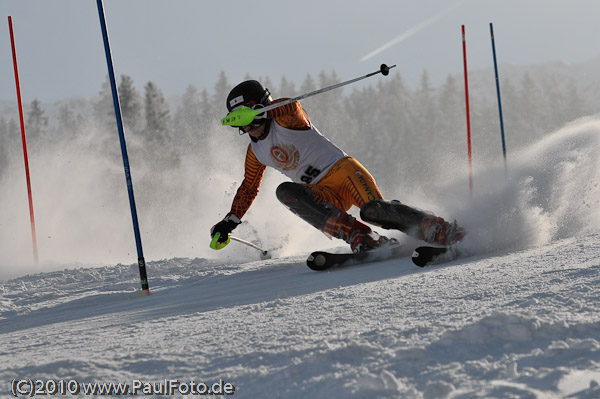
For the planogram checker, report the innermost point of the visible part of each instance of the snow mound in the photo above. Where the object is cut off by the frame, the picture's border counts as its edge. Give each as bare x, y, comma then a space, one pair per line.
519, 319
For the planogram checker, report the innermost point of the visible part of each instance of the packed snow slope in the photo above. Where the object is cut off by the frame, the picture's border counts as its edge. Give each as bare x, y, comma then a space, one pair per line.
518, 318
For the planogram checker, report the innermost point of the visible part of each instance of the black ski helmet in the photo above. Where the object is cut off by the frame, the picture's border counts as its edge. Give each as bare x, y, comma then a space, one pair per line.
248, 93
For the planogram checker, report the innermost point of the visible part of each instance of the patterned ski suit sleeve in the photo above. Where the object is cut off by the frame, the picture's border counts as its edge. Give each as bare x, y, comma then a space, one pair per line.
247, 192
290, 116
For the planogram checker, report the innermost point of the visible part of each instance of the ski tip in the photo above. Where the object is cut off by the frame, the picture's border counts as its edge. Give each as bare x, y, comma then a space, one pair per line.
418, 259
317, 261
320, 260
424, 256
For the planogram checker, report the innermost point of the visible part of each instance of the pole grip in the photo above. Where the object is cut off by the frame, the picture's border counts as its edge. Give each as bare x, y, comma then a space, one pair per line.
215, 244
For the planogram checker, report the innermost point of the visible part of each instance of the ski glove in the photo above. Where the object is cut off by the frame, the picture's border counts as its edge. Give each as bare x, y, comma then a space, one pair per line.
225, 227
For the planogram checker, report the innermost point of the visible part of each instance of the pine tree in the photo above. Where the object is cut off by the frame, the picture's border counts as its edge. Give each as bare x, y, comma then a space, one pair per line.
208, 110
188, 118
37, 121
157, 115
393, 127
575, 106
157, 137
287, 88
564, 102
5, 144
331, 115
451, 107
425, 109
68, 123
423, 131
308, 84
268, 84
324, 109
222, 89
13, 128
533, 109
104, 109
510, 112
130, 102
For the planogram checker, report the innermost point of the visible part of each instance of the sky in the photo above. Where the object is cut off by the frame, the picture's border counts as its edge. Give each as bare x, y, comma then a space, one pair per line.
176, 43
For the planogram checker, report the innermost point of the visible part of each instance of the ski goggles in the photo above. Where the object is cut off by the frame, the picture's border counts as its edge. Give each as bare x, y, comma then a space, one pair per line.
255, 123
244, 129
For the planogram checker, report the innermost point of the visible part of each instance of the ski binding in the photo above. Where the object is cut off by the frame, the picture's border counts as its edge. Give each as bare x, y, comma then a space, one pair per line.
322, 260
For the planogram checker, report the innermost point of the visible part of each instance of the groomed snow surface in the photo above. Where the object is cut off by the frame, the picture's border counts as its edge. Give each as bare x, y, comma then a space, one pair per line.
518, 318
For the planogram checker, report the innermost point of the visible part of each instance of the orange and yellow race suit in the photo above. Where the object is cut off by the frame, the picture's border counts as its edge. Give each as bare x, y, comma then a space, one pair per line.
297, 149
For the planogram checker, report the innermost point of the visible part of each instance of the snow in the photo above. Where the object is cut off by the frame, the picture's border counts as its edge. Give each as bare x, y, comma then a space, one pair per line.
518, 318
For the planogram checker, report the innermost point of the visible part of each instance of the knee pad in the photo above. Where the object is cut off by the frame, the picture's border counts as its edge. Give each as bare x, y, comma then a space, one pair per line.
288, 192
300, 199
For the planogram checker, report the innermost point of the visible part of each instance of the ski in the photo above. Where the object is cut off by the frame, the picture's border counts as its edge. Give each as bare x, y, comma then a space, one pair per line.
427, 256
322, 260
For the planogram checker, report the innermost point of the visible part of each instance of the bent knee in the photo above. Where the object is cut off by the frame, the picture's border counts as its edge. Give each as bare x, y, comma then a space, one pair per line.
288, 191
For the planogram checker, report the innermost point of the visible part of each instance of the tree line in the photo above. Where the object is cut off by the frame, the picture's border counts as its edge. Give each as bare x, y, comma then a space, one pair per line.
399, 132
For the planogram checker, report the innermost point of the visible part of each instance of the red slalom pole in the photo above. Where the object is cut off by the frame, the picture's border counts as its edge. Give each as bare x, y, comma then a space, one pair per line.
24, 139
468, 117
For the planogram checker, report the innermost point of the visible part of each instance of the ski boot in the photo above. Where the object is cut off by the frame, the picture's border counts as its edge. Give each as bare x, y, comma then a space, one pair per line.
327, 218
360, 236
414, 222
436, 230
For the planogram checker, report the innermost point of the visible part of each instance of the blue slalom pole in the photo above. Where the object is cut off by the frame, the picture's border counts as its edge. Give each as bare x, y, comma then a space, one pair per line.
115, 95
498, 91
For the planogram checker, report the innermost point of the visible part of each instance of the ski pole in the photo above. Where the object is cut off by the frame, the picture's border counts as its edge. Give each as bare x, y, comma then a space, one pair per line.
264, 254
214, 244
244, 116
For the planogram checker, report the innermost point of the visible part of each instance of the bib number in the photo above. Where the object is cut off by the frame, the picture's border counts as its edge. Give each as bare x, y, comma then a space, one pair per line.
309, 174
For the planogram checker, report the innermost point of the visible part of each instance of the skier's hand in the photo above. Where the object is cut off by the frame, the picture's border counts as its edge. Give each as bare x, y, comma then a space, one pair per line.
262, 116
225, 227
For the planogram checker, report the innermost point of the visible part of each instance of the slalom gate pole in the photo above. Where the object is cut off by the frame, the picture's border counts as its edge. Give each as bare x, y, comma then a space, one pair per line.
468, 116
499, 100
244, 116
24, 140
115, 95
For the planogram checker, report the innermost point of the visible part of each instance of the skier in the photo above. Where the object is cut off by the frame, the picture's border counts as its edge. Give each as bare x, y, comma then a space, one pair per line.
326, 182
